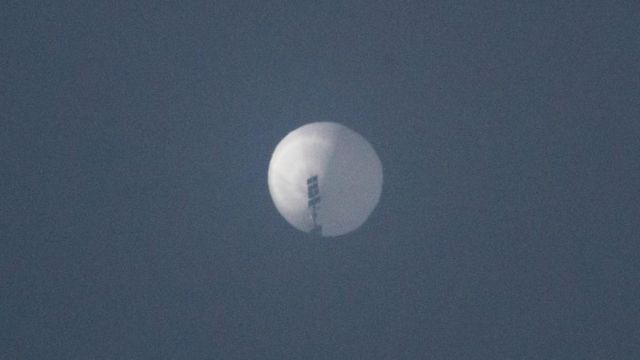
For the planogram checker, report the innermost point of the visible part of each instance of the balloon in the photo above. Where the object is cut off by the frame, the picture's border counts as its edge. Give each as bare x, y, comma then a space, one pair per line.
325, 179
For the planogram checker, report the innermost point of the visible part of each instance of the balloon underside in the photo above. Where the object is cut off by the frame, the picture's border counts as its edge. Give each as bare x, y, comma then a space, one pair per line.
348, 179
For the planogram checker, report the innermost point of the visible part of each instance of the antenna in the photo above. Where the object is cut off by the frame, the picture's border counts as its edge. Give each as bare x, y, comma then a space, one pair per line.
313, 193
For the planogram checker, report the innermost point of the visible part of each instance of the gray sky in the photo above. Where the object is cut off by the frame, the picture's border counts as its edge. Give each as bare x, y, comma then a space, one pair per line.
136, 221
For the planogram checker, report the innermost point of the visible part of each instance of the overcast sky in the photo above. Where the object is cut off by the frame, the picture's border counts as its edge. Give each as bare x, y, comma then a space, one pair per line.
135, 218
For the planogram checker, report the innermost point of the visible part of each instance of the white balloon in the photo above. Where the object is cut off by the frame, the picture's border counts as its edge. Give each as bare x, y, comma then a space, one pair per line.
325, 178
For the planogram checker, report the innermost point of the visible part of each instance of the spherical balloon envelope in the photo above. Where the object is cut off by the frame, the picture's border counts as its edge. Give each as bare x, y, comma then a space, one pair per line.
325, 178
